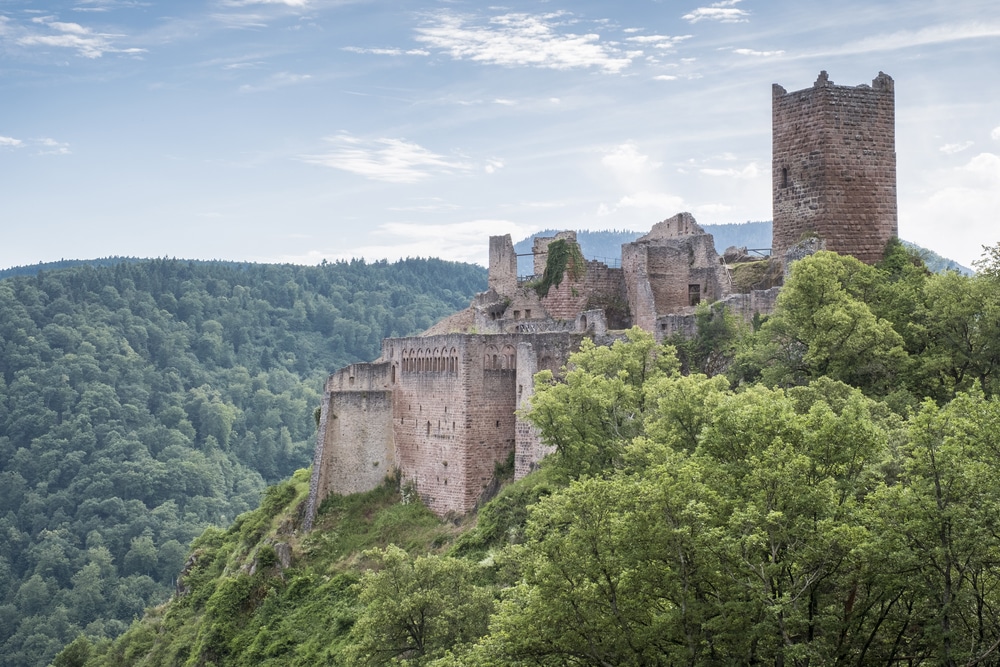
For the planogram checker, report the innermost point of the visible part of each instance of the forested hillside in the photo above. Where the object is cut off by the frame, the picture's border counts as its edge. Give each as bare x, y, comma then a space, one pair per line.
831, 498
145, 400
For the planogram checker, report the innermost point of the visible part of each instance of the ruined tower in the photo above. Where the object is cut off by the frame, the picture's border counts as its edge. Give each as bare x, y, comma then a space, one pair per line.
834, 166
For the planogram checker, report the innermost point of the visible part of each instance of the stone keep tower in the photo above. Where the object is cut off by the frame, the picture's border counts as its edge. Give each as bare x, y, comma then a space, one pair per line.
834, 166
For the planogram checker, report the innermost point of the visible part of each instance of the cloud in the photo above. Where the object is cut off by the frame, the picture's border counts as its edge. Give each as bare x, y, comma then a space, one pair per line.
967, 198
279, 80
951, 149
749, 171
664, 42
652, 202
387, 52
390, 160
759, 54
49, 146
44, 146
492, 166
724, 12
67, 35
247, 3
904, 39
626, 159
995, 134
519, 39
106, 5
665, 77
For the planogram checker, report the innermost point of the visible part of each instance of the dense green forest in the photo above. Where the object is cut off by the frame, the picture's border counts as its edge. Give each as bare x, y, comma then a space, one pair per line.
819, 488
142, 401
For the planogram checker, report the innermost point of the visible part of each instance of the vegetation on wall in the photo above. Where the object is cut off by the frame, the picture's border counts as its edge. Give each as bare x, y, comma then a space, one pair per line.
562, 259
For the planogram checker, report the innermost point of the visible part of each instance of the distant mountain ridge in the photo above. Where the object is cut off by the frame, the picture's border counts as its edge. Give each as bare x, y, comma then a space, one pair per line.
606, 245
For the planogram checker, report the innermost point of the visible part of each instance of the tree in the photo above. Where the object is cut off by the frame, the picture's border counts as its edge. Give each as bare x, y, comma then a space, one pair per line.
415, 609
823, 325
601, 403
942, 522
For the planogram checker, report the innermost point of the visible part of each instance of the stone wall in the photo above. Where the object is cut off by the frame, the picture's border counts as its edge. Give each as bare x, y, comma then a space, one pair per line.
599, 284
455, 415
834, 166
355, 444
744, 306
502, 276
671, 269
535, 353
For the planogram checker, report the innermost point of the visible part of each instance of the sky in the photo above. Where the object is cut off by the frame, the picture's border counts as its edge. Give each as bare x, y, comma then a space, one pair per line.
310, 130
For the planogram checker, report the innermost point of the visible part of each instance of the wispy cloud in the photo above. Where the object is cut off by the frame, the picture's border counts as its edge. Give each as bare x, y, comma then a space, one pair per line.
241, 21
651, 203
246, 3
279, 80
45, 31
995, 134
758, 54
390, 160
665, 42
49, 146
518, 39
951, 149
724, 12
626, 159
387, 51
749, 171
903, 39
106, 5
43, 146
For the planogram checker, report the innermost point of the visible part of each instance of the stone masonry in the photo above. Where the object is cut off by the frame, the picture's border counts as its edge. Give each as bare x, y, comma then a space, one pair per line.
834, 166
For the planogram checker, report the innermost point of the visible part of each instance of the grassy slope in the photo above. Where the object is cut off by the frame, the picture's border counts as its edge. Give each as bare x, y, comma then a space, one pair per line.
242, 608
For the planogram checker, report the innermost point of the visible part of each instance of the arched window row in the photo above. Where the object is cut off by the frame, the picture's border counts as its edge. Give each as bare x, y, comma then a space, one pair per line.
504, 359
430, 360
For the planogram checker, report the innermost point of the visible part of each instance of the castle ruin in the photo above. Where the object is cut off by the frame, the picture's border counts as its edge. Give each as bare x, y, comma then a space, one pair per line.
442, 408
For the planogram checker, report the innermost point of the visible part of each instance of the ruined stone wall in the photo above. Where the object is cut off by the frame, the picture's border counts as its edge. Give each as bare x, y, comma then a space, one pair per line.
536, 353
355, 447
744, 306
834, 166
600, 284
641, 301
502, 275
671, 276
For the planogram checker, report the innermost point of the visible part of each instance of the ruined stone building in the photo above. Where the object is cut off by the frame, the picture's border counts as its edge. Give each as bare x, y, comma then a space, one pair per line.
441, 408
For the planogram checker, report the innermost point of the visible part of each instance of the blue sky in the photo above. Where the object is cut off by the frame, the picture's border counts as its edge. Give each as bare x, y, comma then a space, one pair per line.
303, 130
